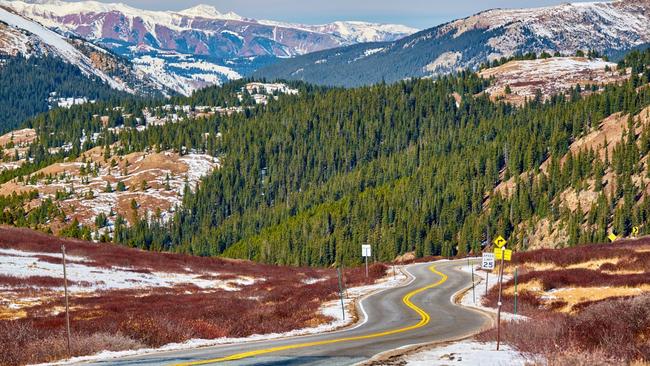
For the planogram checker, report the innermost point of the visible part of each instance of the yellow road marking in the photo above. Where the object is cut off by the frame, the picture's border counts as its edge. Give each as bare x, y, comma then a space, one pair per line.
424, 320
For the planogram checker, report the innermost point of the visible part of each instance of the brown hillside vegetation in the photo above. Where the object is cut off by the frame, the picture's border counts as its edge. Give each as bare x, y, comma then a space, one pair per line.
249, 298
587, 305
545, 233
608, 134
550, 76
88, 186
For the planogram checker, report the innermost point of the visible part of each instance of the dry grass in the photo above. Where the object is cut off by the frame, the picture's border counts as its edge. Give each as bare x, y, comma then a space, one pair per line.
573, 297
526, 76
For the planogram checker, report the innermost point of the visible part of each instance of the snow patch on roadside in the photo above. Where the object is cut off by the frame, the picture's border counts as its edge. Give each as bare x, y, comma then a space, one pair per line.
479, 289
469, 353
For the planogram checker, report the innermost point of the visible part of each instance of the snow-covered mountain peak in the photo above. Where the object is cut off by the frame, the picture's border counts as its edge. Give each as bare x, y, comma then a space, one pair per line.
198, 46
208, 12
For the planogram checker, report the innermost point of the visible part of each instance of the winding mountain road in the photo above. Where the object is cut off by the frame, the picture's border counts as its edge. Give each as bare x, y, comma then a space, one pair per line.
419, 312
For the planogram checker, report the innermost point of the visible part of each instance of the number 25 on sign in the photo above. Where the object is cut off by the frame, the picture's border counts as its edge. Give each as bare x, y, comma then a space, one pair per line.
488, 261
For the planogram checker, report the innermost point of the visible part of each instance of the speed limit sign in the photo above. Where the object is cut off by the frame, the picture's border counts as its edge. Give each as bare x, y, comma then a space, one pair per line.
488, 261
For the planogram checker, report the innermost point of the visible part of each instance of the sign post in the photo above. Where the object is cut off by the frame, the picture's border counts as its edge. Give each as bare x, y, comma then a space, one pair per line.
473, 284
488, 261
612, 237
366, 252
500, 252
487, 264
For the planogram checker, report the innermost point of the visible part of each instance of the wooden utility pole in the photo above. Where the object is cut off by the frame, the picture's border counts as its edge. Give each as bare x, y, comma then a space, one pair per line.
67, 308
338, 271
516, 291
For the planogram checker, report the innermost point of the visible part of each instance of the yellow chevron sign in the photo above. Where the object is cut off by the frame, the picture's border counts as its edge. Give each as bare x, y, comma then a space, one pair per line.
500, 241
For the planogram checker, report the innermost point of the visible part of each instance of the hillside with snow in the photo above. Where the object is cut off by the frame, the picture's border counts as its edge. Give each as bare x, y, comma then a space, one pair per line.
611, 28
26, 37
189, 49
105, 188
520, 80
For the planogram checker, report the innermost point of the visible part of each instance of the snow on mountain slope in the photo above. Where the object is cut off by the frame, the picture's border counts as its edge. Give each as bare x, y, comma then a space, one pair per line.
563, 28
230, 45
53, 42
611, 28
359, 32
13, 41
549, 76
57, 13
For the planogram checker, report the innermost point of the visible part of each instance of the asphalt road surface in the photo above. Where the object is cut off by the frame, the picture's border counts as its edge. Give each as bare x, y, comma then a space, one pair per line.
419, 312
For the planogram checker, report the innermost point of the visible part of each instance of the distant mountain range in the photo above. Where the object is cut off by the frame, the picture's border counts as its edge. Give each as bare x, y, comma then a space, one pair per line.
21, 36
199, 46
608, 27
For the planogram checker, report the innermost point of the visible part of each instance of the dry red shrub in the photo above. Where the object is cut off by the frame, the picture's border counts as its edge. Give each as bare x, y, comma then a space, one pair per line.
280, 300
614, 330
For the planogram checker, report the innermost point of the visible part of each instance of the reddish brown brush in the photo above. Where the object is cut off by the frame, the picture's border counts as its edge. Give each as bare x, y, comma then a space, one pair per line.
109, 255
279, 301
38, 282
580, 277
584, 253
617, 330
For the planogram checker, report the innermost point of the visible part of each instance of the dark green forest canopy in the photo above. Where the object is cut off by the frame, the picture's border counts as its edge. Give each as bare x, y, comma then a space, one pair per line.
26, 83
310, 177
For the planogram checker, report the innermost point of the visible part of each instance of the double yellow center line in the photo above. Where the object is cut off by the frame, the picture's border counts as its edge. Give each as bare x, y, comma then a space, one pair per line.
424, 320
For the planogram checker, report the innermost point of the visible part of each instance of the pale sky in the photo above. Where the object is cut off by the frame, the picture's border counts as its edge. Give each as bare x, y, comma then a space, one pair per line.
416, 13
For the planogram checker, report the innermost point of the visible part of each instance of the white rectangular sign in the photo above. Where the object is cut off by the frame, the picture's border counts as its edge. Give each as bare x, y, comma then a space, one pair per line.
365, 251
488, 261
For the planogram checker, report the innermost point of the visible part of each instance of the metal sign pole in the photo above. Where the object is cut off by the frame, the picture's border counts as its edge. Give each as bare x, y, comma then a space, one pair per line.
499, 302
67, 309
366, 267
473, 292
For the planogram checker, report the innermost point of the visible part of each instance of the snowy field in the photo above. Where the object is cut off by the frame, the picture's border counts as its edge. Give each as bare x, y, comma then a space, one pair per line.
86, 277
